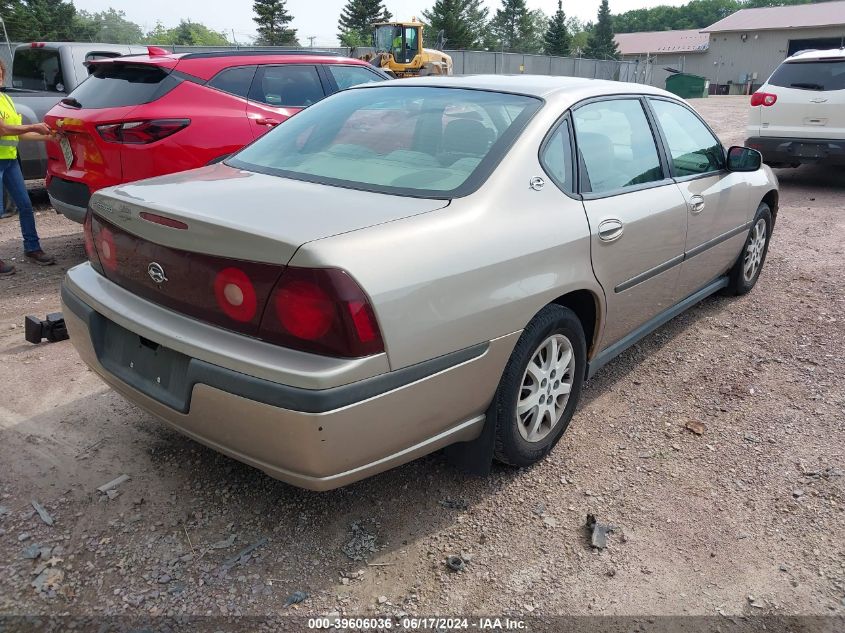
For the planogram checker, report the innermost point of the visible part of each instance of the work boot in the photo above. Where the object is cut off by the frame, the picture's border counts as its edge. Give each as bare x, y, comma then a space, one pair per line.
41, 258
6, 269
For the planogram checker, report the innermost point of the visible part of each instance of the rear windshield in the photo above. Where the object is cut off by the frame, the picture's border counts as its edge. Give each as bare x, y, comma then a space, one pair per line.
421, 141
37, 69
814, 75
113, 85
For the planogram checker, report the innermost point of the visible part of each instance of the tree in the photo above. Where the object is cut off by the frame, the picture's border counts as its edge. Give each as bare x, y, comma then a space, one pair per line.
110, 26
33, 20
272, 19
601, 44
557, 40
580, 33
186, 33
513, 26
357, 18
450, 16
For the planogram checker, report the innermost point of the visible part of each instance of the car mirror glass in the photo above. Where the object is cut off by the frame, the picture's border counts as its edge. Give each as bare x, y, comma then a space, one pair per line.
744, 159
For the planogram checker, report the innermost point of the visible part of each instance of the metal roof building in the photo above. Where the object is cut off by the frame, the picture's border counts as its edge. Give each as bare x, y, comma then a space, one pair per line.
741, 50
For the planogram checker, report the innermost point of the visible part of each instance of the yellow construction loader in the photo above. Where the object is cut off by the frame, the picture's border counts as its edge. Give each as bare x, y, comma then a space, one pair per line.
399, 51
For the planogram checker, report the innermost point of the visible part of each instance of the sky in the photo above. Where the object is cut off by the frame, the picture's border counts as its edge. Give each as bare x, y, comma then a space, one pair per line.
316, 18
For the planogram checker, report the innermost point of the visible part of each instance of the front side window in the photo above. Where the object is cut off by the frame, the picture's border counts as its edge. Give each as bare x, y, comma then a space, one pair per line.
819, 75
348, 76
428, 141
693, 148
616, 145
288, 86
557, 157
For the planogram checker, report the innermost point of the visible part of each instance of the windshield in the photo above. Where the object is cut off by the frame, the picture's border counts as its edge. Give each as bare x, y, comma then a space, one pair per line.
384, 37
37, 69
823, 74
421, 141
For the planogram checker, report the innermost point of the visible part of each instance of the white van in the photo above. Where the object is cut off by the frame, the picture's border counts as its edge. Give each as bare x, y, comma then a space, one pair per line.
798, 115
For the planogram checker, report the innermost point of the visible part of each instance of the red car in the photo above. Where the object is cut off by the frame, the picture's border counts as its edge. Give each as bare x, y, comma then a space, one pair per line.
140, 116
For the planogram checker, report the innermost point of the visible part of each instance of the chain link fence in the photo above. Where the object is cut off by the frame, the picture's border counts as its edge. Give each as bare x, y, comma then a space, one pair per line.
474, 62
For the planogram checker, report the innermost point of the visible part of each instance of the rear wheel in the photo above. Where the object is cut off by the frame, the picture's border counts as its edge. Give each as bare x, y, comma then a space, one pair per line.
540, 387
746, 270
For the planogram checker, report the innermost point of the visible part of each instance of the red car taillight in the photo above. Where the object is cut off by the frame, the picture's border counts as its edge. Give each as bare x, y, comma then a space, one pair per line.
90, 249
141, 132
763, 99
323, 311
235, 294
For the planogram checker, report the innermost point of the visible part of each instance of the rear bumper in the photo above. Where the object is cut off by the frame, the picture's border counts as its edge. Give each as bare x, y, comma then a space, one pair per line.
313, 438
790, 151
69, 198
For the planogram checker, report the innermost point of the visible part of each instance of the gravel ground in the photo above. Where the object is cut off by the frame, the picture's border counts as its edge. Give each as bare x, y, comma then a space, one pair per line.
744, 519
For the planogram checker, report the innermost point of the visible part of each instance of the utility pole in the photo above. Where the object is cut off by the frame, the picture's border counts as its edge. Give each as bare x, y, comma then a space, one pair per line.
235, 39
311, 39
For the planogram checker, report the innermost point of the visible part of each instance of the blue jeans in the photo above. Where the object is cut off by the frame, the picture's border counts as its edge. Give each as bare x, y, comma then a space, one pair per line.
14, 183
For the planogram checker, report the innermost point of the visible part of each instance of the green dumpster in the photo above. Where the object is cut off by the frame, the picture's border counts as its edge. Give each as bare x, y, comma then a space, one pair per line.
687, 86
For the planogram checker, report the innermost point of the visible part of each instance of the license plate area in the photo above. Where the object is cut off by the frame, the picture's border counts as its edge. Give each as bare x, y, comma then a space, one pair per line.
67, 151
154, 370
810, 150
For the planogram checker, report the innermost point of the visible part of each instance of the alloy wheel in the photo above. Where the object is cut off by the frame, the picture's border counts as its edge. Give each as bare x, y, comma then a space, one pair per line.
546, 385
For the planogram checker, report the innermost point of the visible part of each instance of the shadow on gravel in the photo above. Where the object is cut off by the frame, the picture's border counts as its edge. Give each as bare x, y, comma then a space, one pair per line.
819, 176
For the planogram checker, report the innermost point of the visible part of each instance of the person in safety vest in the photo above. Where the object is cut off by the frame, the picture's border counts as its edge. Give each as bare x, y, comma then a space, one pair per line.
11, 131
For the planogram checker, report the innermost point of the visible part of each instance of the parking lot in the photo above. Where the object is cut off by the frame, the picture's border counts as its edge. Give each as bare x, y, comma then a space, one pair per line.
747, 517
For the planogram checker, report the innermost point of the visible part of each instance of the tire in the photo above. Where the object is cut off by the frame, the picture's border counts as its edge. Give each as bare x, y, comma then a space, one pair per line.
742, 278
516, 444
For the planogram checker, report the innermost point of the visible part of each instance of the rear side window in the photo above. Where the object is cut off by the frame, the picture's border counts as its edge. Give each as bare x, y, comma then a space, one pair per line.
116, 85
291, 86
348, 76
38, 69
616, 145
557, 157
235, 81
815, 75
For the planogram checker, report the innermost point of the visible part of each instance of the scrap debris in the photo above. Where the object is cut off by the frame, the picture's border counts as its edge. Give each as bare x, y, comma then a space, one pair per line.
42, 512
695, 426
361, 543
295, 598
598, 532
456, 563
114, 483
243, 555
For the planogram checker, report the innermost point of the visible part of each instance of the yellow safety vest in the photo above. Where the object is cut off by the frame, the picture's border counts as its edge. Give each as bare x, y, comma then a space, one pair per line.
10, 116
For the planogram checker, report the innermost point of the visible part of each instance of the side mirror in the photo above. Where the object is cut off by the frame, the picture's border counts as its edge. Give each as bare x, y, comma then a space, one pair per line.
744, 159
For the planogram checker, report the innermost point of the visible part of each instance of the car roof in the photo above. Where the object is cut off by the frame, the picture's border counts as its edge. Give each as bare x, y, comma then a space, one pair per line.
817, 54
542, 86
207, 64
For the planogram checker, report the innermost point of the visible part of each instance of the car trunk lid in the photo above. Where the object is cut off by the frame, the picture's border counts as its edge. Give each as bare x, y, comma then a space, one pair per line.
169, 239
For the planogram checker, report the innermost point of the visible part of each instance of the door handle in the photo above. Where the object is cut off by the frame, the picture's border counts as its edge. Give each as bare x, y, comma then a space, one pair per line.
696, 205
610, 230
270, 122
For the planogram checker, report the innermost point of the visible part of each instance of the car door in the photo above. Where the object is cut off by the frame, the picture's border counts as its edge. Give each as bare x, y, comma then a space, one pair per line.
718, 200
280, 91
637, 215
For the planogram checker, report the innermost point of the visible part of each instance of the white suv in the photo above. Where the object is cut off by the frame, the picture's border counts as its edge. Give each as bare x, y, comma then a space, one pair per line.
798, 115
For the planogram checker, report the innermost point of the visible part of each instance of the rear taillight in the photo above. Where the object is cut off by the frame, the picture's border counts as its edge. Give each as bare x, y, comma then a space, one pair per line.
235, 294
141, 132
90, 249
323, 311
763, 99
